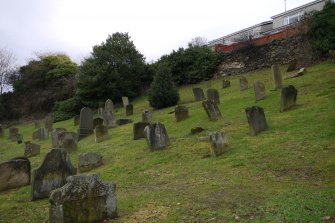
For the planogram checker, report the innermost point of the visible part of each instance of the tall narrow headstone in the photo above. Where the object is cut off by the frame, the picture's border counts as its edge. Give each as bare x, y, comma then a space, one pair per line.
288, 97
125, 101
225, 83
156, 136
276, 76
86, 123
13, 134
31, 149
181, 113
198, 94
129, 109
14, 173
212, 110
109, 106
138, 130
259, 90
243, 83
48, 123
219, 143
43, 133
101, 133
256, 120
292, 65
146, 116
213, 95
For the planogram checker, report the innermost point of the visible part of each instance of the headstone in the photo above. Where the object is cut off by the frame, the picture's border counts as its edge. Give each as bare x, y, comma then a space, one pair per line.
292, 65
52, 173
259, 90
332, 55
213, 95
43, 132
196, 130
68, 141
31, 149
225, 83
76, 120
276, 76
89, 161
55, 137
37, 124
212, 110
109, 106
84, 198
288, 98
86, 123
219, 143
181, 113
97, 121
124, 121
109, 119
156, 136
138, 130
100, 111
198, 94
48, 123
19, 139
101, 133
256, 120
1, 131
146, 116
13, 134
243, 83
129, 109
14, 173
125, 101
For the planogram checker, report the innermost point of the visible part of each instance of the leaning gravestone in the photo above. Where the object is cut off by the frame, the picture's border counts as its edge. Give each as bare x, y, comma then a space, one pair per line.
156, 136
288, 98
198, 94
14, 173
55, 137
256, 120
76, 120
48, 123
68, 141
52, 173
259, 90
84, 198
292, 65
86, 123
89, 161
125, 101
213, 95
31, 149
13, 134
212, 110
109, 106
243, 83
146, 116
225, 83
276, 76
97, 121
219, 143
109, 119
181, 113
101, 133
129, 109
138, 130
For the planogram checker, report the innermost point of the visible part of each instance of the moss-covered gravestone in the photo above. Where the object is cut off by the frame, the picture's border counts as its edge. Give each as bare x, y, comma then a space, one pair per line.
14, 173
156, 136
31, 149
259, 90
212, 110
181, 113
198, 94
109, 119
55, 137
288, 98
109, 106
219, 143
89, 161
256, 120
101, 133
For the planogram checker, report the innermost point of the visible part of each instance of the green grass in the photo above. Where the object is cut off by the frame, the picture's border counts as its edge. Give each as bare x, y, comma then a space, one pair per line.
285, 174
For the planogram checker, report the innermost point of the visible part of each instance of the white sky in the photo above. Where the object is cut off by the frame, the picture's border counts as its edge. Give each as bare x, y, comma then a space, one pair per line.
156, 27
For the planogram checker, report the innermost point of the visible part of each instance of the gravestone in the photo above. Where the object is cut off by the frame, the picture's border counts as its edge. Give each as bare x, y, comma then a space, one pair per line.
109, 119
100, 111
85, 199
1, 131
19, 139
243, 83
198, 94
219, 143
76, 120
213, 95
196, 130
146, 116
124, 121
138, 130
125, 101
13, 134
225, 83
55, 136
212, 110
181, 113
256, 120
14, 173
109, 106
89, 161
101, 133
52, 173
292, 65
31, 149
86, 123
129, 109
288, 98
332, 55
259, 90
68, 141
48, 123
37, 124
97, 121
156, 136
276, 76
43, 133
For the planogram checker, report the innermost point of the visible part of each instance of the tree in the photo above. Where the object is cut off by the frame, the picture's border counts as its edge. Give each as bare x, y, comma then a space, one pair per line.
163, 93
114, 69
7, 68
198, 41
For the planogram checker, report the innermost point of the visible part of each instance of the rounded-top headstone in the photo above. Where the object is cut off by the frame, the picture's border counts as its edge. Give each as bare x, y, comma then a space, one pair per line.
109, 106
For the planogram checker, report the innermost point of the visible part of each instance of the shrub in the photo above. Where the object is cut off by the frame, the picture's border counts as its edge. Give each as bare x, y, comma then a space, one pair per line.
64, 110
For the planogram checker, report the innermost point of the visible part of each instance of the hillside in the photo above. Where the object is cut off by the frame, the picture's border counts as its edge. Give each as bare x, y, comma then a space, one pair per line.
285, 174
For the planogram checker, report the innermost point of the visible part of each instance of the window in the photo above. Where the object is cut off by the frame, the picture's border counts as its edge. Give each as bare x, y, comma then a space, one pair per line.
293, 18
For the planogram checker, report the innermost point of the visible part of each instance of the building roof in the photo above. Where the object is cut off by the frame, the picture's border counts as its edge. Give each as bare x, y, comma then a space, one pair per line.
297, 8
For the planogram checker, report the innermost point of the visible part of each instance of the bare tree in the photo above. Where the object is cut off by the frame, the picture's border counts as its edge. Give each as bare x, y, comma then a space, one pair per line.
198, 41
7, 68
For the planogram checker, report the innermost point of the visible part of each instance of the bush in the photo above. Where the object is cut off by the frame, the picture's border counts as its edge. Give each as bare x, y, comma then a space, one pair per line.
64, 110
163, 93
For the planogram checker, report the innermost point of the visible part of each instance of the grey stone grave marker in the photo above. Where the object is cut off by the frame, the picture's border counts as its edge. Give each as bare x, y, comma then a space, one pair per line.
14, 173
212, 110
86, 123
213, 95
198, 94
181, 113
125, 101
109, 106
146, 116
259, 90
156, 136
89, 161
256, 120
288, 98
219, 143
31, 149
55, 137
101, 133
138, 130
243, 83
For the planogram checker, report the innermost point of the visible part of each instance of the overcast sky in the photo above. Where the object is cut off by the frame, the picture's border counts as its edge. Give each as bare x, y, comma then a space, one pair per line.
156, 27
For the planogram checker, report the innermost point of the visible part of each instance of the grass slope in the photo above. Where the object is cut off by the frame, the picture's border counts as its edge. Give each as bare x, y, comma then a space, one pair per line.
285, 174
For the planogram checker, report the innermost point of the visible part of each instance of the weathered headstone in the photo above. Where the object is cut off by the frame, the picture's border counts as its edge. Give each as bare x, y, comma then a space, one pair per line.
31, 149
100, 111
196, 130
48, 123
138, 130
332, 55
68, 141
13, 134
146, 116
43, 133
109, 106
256, 120
259, 90
86, 123
212, 110
181, 113
89, 161
97, 121
76, 120
225, 83
55, 137
219, 143
101, 133
276, 76
14, 173
124, 121
198, 94
288, 98
129, 109
156, 136
213, 95
243, 83
109, 119
125, 101
292, 65
52, 173
84, 198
